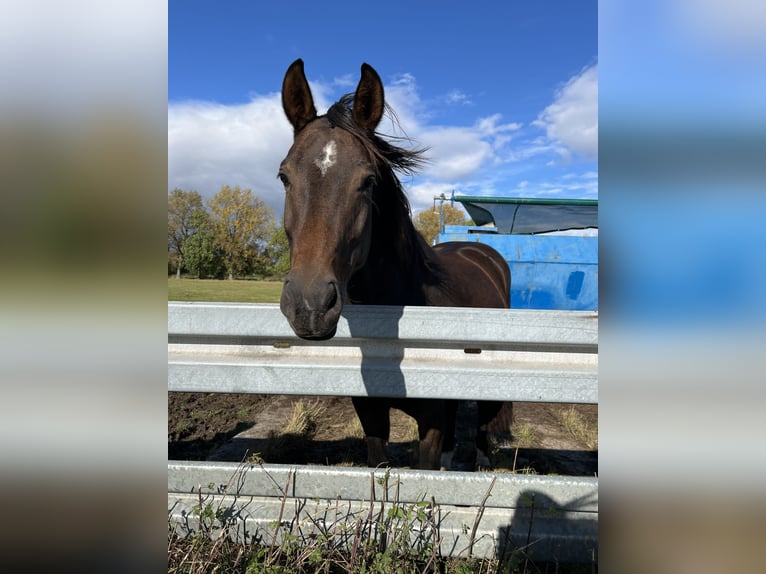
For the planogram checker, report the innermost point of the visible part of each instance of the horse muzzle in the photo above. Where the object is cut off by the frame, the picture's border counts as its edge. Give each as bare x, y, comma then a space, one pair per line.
312, 307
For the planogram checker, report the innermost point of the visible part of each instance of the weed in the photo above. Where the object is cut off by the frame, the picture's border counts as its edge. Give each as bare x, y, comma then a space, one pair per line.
384, 537
181, 426
304, 418
524, 435
290, 442
353, 429
580, 428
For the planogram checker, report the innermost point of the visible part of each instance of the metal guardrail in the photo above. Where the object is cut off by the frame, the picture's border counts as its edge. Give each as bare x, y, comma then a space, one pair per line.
418, 352
415, 352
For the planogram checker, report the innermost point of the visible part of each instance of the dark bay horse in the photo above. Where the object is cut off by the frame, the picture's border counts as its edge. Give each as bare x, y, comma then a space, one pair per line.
351, 240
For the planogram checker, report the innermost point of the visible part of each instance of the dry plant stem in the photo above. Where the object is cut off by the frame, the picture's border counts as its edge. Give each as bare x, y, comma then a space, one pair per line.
529, 532
279, 519
437, 542
479, 516
357, 539
202, 526
372, 506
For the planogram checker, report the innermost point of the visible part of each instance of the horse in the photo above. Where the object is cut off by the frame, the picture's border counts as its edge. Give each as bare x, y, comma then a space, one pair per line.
352, 241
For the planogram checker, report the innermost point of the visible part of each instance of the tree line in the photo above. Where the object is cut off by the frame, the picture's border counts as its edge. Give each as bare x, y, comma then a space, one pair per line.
232, 234
235, 234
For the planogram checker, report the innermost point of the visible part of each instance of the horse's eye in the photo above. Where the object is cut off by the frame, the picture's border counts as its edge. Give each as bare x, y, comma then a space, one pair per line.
368, 183
283, 178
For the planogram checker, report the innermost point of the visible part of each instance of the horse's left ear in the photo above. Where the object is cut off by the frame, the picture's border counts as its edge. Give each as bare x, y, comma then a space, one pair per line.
368, 99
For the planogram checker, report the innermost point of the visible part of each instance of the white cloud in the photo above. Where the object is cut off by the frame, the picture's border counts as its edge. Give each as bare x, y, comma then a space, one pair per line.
455, 152
489, 126
346, 81
422, 195
571, 121
527, 150
212, 144
459, 98
402, 96
460, 152
583, 185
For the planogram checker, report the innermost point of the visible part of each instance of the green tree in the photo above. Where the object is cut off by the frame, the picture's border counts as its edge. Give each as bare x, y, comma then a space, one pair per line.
201, 256
278, 252
182, 206
241, 224
427, 221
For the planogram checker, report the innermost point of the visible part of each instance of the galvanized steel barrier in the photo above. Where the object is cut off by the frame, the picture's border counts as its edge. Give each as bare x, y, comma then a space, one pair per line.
417, 352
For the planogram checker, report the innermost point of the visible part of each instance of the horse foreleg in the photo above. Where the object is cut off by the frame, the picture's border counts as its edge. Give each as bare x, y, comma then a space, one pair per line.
436, 430
448, 439
374, 416
430, 448
377, 452
488, 420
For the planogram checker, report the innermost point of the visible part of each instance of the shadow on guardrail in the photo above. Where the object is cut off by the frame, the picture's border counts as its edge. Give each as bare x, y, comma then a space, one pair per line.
540, 530
373, 411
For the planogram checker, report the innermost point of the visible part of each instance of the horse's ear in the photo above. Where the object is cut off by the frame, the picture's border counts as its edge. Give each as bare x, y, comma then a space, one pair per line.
296, 96
368, 99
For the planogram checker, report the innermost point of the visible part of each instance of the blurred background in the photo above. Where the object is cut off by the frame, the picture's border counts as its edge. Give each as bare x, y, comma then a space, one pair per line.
83, 132
682, 113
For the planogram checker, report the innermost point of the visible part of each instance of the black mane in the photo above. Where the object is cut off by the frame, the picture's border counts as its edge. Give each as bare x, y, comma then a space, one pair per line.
388, 157
390, 201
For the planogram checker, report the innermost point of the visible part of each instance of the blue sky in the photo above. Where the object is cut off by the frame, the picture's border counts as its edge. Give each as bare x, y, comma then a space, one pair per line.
505, 94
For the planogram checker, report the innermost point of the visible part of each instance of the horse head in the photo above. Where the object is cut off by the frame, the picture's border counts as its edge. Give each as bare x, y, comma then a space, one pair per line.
329, 175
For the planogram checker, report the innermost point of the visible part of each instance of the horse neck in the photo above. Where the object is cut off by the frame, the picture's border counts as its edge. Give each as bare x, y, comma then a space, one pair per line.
399, 264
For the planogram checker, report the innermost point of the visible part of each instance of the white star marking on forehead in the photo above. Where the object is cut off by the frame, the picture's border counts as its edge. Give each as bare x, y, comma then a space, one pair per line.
327, 159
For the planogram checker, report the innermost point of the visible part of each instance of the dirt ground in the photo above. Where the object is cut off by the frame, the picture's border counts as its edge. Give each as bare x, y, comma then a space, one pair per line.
232, 427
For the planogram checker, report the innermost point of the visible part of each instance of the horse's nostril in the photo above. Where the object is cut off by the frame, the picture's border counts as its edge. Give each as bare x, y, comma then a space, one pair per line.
332, 296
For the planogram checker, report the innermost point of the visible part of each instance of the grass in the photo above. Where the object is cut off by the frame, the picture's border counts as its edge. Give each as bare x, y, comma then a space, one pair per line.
220, 290
583, 430
299, 429
353, 429
403, 538
307, 419
524, 435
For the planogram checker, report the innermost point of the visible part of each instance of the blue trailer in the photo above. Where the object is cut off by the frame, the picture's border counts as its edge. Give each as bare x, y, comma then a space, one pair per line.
551, 246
